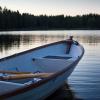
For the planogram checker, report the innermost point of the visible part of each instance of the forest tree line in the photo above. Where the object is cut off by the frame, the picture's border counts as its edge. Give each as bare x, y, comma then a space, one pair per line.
14, 20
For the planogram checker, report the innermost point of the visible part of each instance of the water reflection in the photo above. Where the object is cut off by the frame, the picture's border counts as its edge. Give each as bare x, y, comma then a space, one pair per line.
9, 41
64, 93
91, 39
84, 80
17, 42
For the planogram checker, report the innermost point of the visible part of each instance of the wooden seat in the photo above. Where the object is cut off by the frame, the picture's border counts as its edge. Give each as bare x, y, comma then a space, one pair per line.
57, 57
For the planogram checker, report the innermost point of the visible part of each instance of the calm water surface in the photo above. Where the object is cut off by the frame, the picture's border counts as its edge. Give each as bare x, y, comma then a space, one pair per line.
84, 83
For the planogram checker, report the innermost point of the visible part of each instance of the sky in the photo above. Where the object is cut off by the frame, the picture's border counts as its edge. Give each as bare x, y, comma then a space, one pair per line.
53, 7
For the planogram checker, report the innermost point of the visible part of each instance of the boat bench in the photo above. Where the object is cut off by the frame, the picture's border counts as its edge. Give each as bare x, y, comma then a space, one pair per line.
52, 63
55, 57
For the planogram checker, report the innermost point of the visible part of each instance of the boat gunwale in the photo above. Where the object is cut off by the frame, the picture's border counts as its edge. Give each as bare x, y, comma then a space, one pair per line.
44, 81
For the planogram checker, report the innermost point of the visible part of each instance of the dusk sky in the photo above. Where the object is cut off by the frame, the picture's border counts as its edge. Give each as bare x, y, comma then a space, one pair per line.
53, 7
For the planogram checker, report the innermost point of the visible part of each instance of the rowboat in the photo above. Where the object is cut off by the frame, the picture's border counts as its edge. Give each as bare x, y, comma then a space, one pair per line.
37, 73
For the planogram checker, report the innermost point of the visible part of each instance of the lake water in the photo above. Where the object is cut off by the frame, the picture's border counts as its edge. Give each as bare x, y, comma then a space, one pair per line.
84, 83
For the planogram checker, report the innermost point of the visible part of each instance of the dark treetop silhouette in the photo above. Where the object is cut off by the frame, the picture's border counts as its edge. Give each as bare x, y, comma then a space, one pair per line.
13, 20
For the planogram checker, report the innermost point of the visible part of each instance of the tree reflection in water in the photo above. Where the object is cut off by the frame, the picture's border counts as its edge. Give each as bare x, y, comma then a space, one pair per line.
17, 42
9, 41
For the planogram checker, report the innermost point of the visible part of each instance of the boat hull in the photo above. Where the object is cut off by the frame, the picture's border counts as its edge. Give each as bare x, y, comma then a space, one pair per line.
44, 88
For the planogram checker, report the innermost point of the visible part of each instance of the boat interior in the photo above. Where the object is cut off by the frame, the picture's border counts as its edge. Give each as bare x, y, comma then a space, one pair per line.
48, 59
